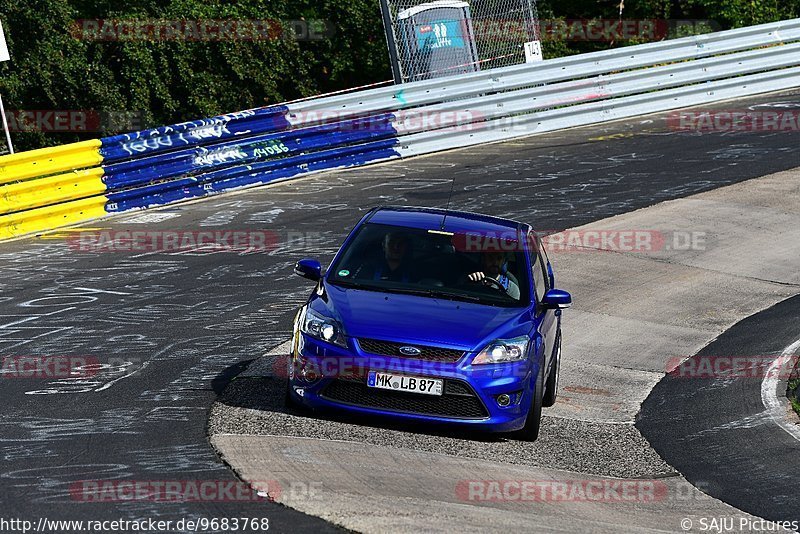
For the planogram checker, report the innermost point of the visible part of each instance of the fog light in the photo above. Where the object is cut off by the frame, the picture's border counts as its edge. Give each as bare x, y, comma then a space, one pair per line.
503, 400
306, 370
309, 375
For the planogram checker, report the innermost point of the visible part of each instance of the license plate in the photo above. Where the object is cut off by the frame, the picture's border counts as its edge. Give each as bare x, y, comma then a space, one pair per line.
411, 384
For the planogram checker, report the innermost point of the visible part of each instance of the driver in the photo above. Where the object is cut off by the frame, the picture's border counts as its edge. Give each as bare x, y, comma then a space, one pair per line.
494, 265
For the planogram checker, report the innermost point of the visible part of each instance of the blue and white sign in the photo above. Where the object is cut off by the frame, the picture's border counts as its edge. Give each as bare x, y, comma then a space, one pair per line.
440, 34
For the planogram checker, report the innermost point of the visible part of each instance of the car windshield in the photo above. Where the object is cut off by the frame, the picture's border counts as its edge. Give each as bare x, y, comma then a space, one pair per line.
483, 268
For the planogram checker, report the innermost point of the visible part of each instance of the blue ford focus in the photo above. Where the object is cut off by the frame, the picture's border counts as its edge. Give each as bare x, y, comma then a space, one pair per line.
434, 316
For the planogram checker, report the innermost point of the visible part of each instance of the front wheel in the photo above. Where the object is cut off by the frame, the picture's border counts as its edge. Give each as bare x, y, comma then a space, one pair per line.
532, 424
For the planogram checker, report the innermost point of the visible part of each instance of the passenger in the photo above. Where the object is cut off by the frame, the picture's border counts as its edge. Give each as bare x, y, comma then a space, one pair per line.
394, 263
495, 265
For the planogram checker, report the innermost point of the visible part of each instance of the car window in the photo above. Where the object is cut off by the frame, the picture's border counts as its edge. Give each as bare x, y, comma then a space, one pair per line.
538, 279
545, 274
430, 263
539, 271
546, 260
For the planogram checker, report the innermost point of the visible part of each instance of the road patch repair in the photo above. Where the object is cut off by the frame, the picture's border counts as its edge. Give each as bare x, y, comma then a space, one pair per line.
635, 312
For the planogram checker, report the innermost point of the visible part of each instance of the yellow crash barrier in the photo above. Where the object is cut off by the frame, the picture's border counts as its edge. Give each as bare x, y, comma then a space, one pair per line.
47, 191
47, 218
51, 160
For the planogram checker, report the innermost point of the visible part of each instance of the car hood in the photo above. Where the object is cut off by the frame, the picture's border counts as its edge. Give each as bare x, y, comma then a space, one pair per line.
397, 317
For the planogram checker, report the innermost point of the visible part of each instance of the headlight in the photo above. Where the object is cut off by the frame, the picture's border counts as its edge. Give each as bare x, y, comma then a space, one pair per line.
502, 351
324, 328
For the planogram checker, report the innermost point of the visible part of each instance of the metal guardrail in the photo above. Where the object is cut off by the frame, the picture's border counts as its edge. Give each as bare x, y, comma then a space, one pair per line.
44, 189
555, 70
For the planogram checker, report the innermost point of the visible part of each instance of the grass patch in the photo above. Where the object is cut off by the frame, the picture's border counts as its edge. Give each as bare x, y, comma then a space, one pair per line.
794, 394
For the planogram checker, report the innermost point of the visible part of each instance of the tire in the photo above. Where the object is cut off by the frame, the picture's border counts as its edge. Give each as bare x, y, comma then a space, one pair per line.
532, 424
551, 386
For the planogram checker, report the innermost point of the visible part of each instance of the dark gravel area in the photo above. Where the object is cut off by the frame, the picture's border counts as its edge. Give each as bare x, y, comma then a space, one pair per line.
255, 406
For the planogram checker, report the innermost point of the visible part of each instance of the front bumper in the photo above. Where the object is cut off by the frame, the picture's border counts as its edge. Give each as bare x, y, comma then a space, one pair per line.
328, 377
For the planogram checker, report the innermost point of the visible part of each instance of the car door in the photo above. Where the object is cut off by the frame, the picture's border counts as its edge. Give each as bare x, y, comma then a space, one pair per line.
547, 319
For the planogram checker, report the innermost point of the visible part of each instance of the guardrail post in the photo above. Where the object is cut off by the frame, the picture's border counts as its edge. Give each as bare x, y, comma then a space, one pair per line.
5, 127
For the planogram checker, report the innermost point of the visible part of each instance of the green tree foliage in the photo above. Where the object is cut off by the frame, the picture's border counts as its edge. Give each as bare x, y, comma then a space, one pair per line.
167, 81
737, 13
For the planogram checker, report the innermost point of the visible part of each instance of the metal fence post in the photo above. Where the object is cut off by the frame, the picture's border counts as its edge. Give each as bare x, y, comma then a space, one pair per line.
391, 42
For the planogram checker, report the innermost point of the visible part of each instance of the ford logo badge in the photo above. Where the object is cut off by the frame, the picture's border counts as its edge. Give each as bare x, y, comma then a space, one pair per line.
410, 351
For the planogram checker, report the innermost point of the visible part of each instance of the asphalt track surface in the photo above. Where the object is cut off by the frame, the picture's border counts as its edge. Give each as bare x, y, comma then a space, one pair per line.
714, 428
174, 327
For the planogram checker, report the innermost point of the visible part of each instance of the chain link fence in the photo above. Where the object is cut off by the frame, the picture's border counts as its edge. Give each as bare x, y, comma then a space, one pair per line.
430, 39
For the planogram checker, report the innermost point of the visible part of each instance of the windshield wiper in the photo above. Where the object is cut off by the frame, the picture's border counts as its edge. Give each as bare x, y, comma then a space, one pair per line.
432, 293
406, 291
453, 296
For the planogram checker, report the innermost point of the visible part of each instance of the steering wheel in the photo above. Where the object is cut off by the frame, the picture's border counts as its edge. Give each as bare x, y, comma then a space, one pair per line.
492, 282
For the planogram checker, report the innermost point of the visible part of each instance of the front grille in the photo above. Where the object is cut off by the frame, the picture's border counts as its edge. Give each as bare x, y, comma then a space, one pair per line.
427, 352
458, 400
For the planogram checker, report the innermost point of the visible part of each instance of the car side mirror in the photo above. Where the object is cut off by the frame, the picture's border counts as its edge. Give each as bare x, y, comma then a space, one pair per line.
308, 268
556, 299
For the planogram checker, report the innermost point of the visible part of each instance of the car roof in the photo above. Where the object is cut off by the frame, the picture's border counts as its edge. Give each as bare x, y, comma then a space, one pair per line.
431, 219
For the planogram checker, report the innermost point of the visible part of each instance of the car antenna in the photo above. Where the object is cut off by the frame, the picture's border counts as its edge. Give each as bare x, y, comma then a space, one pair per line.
449, 198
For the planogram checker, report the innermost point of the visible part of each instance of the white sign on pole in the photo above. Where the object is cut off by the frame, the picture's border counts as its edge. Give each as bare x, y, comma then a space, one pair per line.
533, 52
4, 55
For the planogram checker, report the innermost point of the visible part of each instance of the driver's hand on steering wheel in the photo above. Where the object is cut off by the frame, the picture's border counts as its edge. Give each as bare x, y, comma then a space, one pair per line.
476, 277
